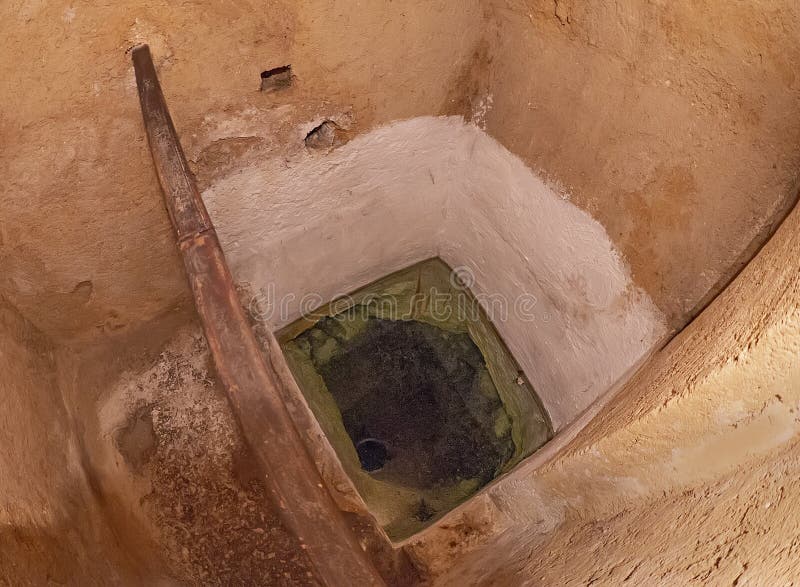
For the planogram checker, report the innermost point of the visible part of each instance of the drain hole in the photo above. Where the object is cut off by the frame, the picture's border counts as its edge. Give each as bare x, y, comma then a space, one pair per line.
276, 78
372, 453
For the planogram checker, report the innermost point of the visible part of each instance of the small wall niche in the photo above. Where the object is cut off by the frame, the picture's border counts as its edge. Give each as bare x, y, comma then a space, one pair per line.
276, 78
416, 392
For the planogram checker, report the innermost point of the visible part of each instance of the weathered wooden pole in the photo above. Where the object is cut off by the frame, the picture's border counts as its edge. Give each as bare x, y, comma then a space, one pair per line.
289, 472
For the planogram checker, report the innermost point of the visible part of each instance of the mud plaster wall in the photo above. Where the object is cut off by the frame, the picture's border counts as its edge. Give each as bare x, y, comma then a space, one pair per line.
674, 124
307, 229
50, 527
85, 245
670, 123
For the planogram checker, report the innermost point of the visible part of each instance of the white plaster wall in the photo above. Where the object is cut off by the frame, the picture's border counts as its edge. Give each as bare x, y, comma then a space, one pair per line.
589, 324
319, 225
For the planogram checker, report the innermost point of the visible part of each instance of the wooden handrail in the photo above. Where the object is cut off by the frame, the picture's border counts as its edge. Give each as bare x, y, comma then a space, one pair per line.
289, 472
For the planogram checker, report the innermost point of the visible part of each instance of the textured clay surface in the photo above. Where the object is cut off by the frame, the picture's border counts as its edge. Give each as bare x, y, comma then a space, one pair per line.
671, 124
85, 243
164, 443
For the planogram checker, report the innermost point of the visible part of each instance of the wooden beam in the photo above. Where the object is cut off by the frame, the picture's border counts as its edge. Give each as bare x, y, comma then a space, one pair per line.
289, 472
